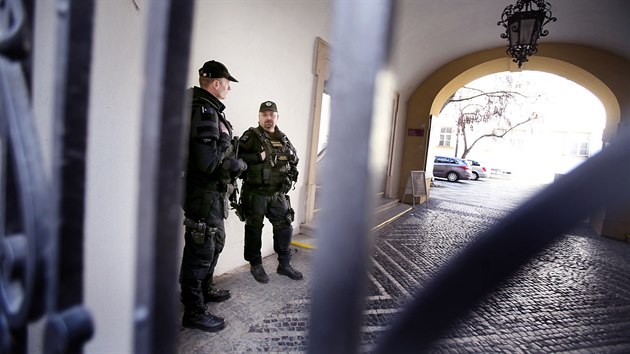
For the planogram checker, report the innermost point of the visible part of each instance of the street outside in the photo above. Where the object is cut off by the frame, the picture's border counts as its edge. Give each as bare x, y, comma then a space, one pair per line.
504, 192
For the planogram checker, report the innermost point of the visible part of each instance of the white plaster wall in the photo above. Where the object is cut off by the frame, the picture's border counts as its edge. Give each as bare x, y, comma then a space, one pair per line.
42, 79
43, 75
112, 173
269, 46
113, 144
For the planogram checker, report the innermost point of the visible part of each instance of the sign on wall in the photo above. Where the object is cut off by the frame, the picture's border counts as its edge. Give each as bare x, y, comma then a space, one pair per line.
416, 186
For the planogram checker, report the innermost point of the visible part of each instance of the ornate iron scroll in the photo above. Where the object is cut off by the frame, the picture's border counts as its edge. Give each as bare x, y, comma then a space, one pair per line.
34, 268
23, 189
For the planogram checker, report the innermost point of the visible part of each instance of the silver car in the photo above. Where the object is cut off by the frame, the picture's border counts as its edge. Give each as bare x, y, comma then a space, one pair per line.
478, 171
451, 168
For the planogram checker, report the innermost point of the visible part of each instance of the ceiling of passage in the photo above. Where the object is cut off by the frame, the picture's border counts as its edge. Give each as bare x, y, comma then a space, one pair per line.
431, 33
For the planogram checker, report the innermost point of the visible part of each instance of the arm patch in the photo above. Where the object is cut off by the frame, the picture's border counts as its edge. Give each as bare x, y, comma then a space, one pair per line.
204, 123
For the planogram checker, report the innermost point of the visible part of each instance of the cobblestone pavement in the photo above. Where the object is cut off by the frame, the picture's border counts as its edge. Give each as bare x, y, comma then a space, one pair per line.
571, 298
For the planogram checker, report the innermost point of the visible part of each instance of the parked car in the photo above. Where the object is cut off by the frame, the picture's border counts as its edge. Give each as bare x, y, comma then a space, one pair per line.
478, 171
451, 168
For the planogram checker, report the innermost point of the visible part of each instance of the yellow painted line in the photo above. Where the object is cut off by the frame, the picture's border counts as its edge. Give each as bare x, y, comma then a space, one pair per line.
390, 219
311, 247
303, 245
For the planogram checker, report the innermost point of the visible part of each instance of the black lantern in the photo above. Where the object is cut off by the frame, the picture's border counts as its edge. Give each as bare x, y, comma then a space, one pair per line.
523, 25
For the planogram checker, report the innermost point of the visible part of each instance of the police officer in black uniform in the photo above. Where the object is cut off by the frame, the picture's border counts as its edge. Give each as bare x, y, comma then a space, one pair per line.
211, 174
272, 169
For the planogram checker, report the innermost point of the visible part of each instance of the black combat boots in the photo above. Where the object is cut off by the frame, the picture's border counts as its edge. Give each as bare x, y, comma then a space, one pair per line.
259, 273
286, 269
200, 318
215, 295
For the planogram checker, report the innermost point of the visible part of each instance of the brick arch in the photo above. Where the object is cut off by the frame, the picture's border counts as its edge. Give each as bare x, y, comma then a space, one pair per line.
598, 71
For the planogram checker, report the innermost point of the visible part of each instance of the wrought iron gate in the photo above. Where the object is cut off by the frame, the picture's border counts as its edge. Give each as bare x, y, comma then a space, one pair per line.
41, 241
41, 225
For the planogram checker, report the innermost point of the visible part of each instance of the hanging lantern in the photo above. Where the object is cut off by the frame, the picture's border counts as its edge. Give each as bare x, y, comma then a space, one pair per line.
523, 26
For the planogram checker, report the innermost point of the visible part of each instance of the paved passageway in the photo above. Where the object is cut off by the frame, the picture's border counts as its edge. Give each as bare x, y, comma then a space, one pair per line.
574, 297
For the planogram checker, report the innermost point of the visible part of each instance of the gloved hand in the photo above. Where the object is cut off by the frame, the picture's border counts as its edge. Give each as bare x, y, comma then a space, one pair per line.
293, 174
234, 165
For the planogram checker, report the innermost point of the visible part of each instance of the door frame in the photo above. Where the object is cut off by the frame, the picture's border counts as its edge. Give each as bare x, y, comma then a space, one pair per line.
322, 72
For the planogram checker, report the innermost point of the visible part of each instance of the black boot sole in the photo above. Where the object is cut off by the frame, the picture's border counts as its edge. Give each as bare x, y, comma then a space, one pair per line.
262, 280
204, 328
291, 275
216, 298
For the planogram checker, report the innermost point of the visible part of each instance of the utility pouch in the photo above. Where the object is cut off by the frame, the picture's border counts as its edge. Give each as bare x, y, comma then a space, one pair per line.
290, 215
198, 237
266, 175
197, 230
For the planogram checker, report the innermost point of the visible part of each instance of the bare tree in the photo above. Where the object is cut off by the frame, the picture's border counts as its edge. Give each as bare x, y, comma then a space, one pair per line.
491, 112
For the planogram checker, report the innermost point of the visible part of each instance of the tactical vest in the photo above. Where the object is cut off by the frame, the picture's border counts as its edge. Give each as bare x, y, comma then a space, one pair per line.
274, 169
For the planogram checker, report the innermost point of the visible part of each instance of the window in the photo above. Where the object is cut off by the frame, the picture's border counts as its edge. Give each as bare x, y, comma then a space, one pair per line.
440, 159
578, 144
445, 136
322, 143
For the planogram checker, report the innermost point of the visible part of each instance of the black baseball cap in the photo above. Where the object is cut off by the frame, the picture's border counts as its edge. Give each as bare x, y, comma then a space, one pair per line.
268, 106
214, 69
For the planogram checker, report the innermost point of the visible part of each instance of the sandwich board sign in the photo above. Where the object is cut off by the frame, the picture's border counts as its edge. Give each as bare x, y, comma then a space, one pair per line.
416, 186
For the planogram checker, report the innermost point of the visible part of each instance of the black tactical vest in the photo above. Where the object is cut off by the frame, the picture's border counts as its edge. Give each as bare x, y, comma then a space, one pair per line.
274, 170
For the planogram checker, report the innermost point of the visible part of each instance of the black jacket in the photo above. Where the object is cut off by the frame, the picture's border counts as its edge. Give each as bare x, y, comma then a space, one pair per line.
207, 148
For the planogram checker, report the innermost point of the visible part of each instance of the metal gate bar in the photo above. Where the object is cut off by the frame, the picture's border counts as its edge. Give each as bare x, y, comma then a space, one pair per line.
69, 325
72, 88
361, 32
159, 213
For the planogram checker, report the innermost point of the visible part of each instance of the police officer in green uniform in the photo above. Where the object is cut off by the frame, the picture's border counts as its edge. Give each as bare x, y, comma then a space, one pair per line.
272, 169
211, 173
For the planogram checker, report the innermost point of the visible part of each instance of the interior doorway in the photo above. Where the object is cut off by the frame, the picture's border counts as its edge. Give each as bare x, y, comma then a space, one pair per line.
319, 127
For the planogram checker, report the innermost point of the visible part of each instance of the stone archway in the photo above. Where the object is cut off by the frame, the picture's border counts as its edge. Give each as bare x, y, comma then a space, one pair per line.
549, 65
598, 71
603, 73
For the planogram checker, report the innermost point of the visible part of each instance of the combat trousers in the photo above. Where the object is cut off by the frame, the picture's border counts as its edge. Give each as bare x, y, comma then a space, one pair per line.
277, 209
199, 260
